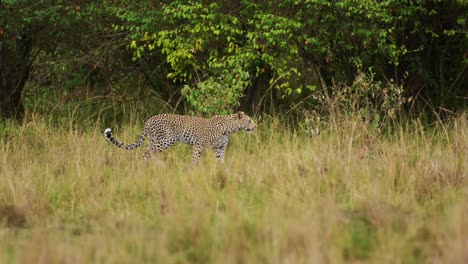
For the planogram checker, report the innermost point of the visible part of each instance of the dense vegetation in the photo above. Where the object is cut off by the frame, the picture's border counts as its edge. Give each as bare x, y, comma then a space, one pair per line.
216, 56
360, 154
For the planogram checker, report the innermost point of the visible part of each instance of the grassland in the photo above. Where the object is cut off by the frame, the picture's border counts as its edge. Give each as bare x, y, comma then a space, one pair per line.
349, 194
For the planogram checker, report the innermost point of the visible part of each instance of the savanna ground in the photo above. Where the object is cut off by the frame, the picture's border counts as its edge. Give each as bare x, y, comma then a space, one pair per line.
348, 194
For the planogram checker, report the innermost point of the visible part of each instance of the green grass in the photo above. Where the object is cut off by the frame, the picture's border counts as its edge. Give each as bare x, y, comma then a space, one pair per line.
349, 194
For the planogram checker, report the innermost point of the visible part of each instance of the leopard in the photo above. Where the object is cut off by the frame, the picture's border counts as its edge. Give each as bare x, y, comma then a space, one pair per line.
202, 133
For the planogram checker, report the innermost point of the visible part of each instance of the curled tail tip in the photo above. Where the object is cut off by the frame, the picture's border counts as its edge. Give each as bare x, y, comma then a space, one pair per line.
107, 133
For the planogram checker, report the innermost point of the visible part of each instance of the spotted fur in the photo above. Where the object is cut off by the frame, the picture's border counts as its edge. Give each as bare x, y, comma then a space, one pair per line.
166, 129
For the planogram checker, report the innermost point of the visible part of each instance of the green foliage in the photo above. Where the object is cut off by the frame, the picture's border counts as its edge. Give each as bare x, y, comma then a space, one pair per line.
218, 95
221, 55
217, 56
293, 45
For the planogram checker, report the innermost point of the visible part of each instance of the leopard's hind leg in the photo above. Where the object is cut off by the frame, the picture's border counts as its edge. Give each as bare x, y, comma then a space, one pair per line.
158, 143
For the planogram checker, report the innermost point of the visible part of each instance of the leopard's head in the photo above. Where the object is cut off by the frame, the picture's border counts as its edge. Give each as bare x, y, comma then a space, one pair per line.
245, 122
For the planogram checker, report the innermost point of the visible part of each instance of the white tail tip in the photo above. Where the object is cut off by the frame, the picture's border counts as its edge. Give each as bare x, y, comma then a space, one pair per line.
107, 132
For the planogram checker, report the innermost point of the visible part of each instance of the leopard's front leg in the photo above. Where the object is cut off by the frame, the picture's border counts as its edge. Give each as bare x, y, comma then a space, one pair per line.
221, 149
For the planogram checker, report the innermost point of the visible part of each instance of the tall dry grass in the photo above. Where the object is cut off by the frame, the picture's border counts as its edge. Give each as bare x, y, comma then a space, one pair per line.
350, 194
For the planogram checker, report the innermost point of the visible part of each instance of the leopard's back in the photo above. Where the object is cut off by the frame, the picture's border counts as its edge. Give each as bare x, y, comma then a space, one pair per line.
188, 129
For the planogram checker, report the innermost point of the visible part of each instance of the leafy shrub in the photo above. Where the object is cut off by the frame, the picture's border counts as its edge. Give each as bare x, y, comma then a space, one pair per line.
374, 102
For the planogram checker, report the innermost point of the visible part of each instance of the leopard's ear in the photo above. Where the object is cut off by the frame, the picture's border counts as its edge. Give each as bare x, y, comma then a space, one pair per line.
240, 114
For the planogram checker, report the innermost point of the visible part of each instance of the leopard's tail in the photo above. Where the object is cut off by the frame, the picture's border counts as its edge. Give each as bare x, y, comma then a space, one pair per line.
108, 135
